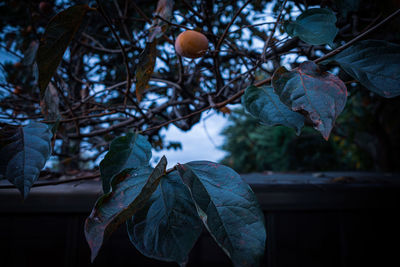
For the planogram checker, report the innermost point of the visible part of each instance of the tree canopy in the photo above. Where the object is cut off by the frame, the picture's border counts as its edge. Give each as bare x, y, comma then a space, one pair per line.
105, 83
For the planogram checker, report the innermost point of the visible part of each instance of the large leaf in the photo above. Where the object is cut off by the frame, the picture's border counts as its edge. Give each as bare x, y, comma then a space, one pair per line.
23, 153
315, 26
266, 106
229, 210
145, 67
59, 33
319, 95
376, 64
168, 227
130, 151
131, 189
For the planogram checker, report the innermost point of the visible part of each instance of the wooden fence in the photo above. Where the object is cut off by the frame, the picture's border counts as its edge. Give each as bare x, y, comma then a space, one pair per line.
313, 220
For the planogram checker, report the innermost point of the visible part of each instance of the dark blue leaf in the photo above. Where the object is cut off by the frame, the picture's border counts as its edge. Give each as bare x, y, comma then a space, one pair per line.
59, 33
229, 210
23, 154
168, 226
130, 151
315, 26
376, 64
266, 106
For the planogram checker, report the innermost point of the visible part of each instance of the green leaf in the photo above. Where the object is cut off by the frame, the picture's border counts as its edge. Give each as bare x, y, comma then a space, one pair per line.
265, 105
23, 153
376, 64
168, 226
131, 189
145, 68
315, 26
59, 33
130, 151
319, 95
229, 210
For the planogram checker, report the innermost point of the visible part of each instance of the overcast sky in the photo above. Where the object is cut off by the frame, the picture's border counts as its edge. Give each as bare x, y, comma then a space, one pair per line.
200, 143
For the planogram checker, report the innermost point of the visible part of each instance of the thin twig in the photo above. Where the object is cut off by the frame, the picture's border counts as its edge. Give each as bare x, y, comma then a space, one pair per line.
89, 177
124, 55
272, 32
362, 35
230, 24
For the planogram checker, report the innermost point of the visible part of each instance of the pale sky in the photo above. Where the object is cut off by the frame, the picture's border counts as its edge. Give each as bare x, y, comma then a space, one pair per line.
196, 144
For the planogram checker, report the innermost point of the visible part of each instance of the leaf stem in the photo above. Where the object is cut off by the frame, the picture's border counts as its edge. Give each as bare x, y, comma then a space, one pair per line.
88, 177
272, 32
229, 25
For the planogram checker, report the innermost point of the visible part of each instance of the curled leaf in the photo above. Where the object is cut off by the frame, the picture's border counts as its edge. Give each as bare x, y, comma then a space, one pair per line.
131, 189
318, 95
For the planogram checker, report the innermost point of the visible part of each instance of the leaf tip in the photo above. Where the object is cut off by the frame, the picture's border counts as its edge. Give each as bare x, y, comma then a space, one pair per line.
93, 246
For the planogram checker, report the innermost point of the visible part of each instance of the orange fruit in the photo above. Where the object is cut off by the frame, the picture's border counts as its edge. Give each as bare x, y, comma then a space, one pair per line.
191, 44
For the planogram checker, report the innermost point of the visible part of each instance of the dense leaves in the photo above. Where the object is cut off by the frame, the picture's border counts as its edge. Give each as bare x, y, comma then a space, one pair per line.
59, 33
315, 26
228, 208
168, 226
375, 64
23, 153
319, 95
252, 147
264, 104
130, 191
129, 151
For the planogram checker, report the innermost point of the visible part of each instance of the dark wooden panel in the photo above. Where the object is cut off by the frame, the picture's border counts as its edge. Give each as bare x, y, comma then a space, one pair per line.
311, 221
307, 239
